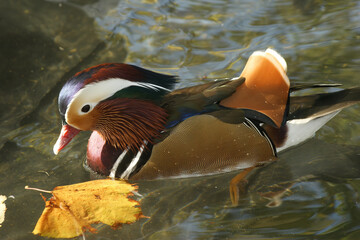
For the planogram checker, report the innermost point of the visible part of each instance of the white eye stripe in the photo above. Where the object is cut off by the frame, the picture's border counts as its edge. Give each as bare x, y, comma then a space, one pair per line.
95, 92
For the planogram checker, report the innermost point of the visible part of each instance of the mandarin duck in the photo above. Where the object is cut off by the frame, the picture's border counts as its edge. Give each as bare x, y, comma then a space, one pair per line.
141, 129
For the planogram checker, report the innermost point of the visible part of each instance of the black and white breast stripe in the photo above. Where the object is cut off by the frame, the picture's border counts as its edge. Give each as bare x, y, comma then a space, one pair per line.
261, 132
129, 162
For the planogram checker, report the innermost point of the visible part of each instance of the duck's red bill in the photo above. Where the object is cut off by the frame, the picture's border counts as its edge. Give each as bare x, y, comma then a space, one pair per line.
67, 133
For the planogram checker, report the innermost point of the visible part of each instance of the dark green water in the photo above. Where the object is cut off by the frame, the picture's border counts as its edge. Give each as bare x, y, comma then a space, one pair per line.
43, 43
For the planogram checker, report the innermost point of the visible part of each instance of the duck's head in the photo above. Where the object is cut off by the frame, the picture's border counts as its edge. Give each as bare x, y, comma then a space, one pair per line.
119, 101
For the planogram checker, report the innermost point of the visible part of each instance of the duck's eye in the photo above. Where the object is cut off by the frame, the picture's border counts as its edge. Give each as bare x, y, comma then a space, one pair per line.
85, 108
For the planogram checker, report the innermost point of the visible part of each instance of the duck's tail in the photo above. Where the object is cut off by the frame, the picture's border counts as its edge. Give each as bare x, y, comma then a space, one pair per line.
267, 90
307, 114
318, 105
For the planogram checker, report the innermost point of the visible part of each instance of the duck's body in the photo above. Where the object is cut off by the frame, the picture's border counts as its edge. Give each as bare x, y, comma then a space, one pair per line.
210, 141
142, 130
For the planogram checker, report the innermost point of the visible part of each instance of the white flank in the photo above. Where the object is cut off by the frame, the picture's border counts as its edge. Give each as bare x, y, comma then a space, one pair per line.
95, 92
300, 130
133, 163
116, 164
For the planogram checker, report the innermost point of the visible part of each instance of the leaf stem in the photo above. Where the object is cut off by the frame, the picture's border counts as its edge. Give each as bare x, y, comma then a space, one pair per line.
37, 189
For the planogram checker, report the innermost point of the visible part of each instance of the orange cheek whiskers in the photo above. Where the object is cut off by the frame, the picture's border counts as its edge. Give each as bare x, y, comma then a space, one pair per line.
127, 123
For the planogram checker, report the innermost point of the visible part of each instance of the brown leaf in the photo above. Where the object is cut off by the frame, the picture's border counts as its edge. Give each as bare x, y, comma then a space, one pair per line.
73, 208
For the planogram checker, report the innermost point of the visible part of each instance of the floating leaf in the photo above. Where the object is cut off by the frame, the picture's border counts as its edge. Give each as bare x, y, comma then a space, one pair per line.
2, 209
73, 208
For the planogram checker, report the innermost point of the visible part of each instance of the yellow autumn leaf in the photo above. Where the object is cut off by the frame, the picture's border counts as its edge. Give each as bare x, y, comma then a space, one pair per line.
2, 208
73, 208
